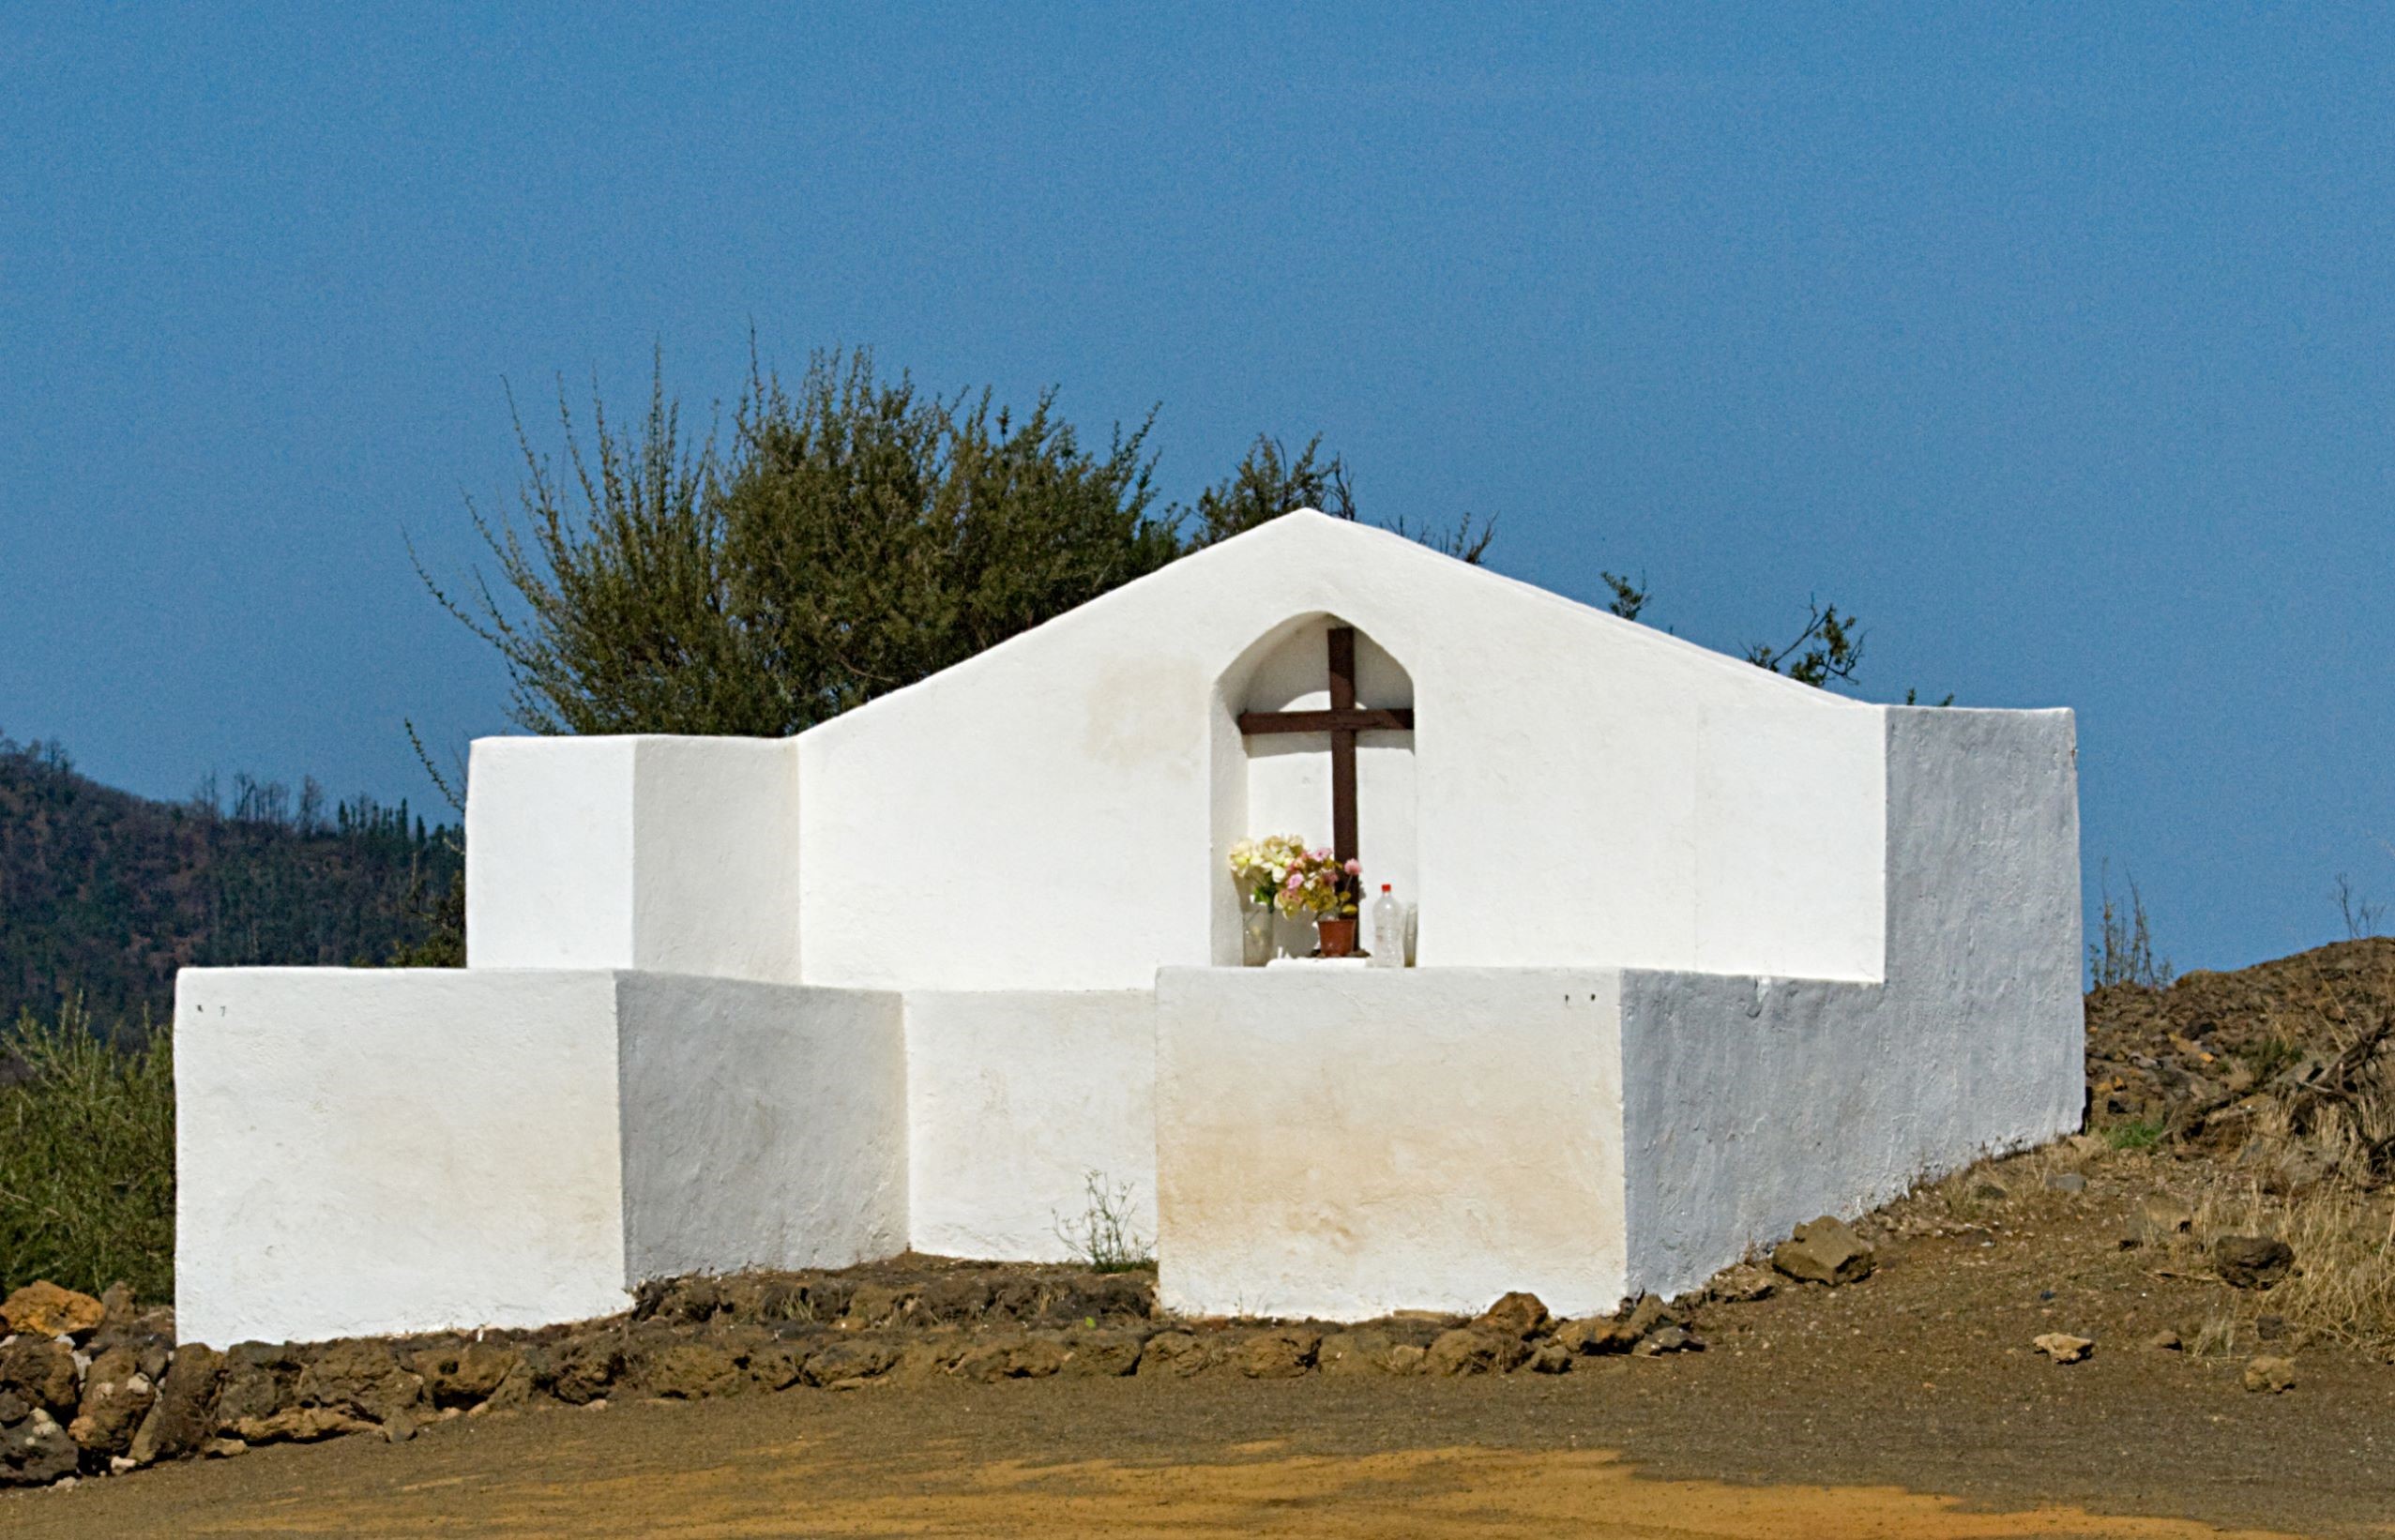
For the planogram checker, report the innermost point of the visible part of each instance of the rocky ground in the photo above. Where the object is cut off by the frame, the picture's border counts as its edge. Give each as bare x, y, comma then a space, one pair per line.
2190, 1311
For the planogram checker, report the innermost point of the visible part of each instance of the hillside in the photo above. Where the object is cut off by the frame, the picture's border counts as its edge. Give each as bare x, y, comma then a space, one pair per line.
107, 894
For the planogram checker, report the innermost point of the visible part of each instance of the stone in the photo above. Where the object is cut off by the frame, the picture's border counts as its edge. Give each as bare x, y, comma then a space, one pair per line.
1102, 1354
2165, 1340
2063, 1348
43, 1371
463, 1373
251, 1393
694, 1370
179, 1418
956, 1298
2251, 1261
224, 1448
1010, 1355
1468, 1350
44, 1309
1551, 1357
852, 1361
37, 1451
1521, 1314
1284, 1353
778, 1365
1363, 1351
1179, 1353
1593, 1334
2271, 1374
301, 1424
1742, 1285
2157, 1219
362, 1378
1824, 1251
1406, 1358
1990, 1192
116, 1397
2066, 1182
580, 1369
1662, 1339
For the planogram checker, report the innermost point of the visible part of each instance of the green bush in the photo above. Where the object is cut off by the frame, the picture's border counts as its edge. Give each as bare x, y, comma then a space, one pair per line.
86, 1158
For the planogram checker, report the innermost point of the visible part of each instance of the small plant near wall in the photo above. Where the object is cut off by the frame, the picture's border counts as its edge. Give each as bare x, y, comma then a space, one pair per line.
1104, 1237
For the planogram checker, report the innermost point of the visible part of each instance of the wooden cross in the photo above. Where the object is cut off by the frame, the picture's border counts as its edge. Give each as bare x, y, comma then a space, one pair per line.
1343, 721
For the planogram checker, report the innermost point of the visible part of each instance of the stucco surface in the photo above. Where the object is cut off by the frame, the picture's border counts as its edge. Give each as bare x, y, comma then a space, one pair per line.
667, 853
548, 837
362, 1150
1754, 1104
1015, 1099
763, 1125
1713, 816
1341, 1143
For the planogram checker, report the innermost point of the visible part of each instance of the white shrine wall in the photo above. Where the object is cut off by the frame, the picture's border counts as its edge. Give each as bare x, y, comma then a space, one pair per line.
1053, 813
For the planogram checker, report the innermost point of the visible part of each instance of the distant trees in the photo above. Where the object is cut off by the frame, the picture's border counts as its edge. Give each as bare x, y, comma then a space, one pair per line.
103, 895
857, 534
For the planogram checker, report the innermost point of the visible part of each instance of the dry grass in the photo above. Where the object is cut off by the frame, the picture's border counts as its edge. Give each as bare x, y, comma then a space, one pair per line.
2343, 1238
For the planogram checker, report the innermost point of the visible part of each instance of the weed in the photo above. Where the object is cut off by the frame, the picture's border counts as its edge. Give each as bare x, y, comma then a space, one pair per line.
1103, 1237
2123, 951
2138, 1133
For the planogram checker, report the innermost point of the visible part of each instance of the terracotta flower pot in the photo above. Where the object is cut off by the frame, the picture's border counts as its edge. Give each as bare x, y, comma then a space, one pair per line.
1338, 937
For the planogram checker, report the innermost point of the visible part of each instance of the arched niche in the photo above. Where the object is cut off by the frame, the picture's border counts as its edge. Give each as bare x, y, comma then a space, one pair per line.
1281, 783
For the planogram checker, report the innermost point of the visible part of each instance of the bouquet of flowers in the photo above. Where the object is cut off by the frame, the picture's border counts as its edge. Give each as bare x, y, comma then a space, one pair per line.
1280, 870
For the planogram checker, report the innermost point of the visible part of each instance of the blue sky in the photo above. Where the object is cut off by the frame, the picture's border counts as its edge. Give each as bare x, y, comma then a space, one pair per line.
2057, 345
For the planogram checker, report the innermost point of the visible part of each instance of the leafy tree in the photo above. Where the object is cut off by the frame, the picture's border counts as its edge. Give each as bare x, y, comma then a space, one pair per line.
858, 534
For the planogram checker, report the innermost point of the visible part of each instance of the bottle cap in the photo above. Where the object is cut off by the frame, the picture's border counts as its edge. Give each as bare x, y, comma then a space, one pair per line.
1384, 887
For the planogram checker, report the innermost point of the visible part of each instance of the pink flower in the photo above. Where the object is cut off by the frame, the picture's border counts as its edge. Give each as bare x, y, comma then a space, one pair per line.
1355, 868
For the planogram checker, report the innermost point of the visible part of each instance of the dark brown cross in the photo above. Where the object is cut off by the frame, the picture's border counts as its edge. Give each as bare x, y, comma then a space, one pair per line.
1343, 721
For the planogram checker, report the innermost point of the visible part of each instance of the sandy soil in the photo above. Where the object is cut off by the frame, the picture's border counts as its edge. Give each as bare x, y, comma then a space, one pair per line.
1909, 1405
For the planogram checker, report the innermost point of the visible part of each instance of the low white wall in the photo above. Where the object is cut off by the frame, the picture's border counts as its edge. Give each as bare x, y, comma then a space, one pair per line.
1753, 1105
362, 1150
677, 855
1342, 1143
1014, 1098
764, 1126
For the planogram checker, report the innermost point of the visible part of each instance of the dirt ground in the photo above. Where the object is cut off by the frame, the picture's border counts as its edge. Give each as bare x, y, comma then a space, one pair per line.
1910, 1404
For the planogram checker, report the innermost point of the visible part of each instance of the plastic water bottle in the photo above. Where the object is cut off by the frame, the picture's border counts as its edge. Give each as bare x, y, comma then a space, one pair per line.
1388, 930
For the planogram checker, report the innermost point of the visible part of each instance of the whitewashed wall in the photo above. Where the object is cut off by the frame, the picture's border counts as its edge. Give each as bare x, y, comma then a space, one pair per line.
1017, 1097
361, 1151
763, 1125
674, 855
365, 1151
1753, 1105
1340, 1145
1052, 814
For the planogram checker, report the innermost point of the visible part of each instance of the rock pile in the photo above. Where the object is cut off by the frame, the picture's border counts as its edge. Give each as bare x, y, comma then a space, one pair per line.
95, 1386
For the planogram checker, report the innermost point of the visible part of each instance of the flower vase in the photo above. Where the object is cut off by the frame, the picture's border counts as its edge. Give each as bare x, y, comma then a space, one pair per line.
1336, 938
1256, 934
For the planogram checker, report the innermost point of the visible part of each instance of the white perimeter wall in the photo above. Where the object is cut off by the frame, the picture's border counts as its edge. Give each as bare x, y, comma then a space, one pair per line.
1015, 1100
1341, 1144
370, 1152
674, 855
362, 1150
763, 1125
1753, 1105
